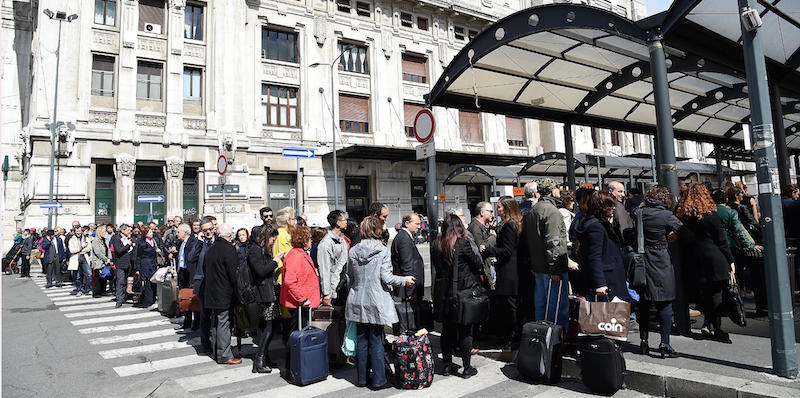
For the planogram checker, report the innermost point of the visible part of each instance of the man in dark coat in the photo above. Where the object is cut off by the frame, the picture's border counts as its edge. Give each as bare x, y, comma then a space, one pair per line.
406, 261
50, 259
622, 219
122, 246
186, 243
267, 217
25, 253
221, 262
197, 259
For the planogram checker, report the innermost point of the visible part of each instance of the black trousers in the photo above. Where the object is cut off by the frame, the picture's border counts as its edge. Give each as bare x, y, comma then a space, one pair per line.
52, 273
454, 335
712, 298
99, 285
26, 266
504, 316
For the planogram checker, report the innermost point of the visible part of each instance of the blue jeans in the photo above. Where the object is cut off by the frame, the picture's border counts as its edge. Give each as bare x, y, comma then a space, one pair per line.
85, 284
542, 282
369, 341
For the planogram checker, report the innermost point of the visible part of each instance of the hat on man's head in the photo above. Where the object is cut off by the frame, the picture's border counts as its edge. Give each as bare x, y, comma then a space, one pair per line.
546, 185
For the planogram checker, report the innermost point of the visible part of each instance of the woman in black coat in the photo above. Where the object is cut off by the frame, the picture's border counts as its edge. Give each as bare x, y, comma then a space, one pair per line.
452, 249
146, 264
660, 227
262, 267
506, 287
704, 237
602, 272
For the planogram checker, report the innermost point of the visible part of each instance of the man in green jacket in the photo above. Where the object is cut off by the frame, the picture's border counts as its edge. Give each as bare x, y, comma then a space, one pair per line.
544, 234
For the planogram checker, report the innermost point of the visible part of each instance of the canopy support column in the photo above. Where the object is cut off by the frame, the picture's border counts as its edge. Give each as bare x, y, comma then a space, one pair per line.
630, 180
779, 298
569, 151
797, 167
494, 193
599, 174
781, 149
718, 161
668, 170
585, 173
653, 162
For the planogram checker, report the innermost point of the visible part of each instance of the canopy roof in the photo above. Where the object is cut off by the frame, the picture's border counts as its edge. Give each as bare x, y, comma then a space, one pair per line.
589, 66
483, 175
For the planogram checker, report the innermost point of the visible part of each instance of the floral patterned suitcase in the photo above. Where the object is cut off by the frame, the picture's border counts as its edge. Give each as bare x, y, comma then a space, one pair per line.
413, 361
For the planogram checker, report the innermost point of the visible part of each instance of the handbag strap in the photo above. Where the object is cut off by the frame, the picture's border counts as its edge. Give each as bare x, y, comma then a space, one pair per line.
639, 231
455, 272
558, 302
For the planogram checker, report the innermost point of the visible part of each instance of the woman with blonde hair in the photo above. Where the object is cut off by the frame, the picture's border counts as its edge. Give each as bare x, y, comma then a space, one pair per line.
704, 237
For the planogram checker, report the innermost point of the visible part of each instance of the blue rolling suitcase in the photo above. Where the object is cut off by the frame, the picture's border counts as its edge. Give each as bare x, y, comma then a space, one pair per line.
309, 352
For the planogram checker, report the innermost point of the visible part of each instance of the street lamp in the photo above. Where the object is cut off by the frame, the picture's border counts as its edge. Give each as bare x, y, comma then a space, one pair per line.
60, 16
333, 124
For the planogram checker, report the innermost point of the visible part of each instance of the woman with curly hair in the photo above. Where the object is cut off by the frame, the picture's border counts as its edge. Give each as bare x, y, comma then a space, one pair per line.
704, 237
659, 227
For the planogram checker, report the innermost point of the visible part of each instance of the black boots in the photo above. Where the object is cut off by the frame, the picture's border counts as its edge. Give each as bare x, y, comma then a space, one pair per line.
644, 348
667, 351
260, 364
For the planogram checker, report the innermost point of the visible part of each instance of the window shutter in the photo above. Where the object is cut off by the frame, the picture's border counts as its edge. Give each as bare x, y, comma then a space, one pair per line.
470, 125
353, 108
414, 65
151, 11
410, 112
515, 129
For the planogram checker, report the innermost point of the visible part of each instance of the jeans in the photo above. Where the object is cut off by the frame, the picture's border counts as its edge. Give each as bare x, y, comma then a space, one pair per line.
664, 309
369, 342
221, 335
84, 283
540, 293
122, 282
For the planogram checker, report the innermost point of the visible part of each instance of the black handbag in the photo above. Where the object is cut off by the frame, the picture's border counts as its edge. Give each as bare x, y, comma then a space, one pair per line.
467, 307
732, 301
637, 262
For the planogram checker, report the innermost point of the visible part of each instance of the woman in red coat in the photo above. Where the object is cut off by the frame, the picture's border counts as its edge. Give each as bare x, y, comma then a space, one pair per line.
300, 282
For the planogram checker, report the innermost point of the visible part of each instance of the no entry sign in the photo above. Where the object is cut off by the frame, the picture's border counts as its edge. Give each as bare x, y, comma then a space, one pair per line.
424, 125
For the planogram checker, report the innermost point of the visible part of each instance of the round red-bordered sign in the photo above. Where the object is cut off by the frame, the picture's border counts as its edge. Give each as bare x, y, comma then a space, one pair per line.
222, 164
424, 125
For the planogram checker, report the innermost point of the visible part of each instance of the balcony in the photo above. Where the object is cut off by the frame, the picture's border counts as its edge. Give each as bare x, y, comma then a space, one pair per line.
194, 53
352, 82
414, 91
151, 47
104, 40
280, 72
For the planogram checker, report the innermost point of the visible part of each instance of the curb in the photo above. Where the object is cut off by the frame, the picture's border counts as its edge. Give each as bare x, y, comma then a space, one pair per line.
668, 381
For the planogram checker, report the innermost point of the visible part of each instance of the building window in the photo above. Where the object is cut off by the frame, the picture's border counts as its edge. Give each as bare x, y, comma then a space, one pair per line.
409, 113
422, 23
279, 45
192, 83
470, 125
615, 137
354, 58
280, 105
415, 69
596, 137
418, 204
353, 114
148, 81
193, 22
406, 20
636, 146
459, 33
102, 75
105, 12
472, 33
151, 16
515, 131
343, 6
362, 9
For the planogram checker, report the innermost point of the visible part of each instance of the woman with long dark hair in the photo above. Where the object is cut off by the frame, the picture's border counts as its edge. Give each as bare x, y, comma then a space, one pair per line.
508, 281
452, 249
262, 267
660, 227
704, 237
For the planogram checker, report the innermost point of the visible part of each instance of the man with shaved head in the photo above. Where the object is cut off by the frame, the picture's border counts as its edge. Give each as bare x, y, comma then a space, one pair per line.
622, 220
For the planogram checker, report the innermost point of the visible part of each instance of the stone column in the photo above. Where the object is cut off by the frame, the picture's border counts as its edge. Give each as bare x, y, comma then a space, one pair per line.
173, 174
124, 170
128, 10
174, 76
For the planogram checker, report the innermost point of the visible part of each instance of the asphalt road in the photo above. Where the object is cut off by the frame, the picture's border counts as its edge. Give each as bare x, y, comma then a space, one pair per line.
56, 345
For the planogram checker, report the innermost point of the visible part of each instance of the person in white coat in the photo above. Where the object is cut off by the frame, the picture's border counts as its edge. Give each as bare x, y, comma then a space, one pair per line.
79, 249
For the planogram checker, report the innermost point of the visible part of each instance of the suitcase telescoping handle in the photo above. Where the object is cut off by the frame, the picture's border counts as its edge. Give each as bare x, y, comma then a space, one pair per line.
300, 317
558, 302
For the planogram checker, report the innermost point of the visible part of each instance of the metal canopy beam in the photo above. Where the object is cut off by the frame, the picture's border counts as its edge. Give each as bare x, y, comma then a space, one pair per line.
710, 98
548, 156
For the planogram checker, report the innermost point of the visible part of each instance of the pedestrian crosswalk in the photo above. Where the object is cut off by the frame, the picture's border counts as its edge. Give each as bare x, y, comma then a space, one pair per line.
144, 346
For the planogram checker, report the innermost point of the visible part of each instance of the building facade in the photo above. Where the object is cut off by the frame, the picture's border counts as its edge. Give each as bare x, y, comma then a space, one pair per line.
151, 92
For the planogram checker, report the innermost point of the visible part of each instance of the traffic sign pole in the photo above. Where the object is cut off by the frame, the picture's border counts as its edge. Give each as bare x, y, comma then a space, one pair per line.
224, 211
222, 168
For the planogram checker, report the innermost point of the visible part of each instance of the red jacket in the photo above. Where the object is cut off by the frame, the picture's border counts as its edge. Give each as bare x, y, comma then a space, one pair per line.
300, 280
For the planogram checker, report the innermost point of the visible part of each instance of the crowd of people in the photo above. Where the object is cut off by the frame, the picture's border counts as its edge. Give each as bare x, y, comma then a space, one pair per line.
530, 256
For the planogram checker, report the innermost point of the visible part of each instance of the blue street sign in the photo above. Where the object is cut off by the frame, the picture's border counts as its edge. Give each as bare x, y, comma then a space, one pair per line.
298, 153
51, 205
150, 198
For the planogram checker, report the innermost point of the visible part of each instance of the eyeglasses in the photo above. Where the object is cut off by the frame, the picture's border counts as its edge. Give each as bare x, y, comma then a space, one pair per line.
207, 229
266, 216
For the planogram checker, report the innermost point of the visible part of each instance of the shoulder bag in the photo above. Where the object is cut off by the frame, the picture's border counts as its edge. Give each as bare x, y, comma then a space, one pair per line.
467, 307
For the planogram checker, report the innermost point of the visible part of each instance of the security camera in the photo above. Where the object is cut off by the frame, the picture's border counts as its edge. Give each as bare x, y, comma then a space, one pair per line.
228, 143
750, 19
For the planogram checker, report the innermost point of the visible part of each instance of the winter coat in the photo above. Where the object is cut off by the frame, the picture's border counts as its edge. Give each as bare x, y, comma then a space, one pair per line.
600, 258
658, 222
300, 280
283, 244
76, 250
370, 275
331, 258
737, 236
507, 283
706, 248
469, 267
545, 235
262, 267
219, 275
407, 261
100, 253
122, 252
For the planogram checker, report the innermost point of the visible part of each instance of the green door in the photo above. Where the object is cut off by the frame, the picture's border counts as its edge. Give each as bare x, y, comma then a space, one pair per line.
190, 192
148, 181
104, 195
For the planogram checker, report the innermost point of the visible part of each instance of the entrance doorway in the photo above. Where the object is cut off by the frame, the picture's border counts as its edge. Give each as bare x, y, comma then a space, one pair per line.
148, 180
190, 192
357, 197
474, 196
280, 187
105, 203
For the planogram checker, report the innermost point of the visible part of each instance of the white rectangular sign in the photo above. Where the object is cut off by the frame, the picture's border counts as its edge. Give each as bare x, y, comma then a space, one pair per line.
425, 150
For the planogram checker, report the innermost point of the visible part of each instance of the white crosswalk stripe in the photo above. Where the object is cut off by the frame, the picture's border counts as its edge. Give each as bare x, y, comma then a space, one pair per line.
144, 349
127, 326
130, 317
81, 301
133, 337
330, 385
163, 364
56, 294
222, 377
102, 312
489, 371
84, 307
74, 297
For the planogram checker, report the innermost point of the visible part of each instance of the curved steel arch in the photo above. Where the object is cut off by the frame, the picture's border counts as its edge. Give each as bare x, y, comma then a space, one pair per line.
470, 169
704, 101
548, 156
531, 21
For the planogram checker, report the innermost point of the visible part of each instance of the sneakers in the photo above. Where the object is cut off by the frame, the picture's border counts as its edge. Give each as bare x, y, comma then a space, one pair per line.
79, 294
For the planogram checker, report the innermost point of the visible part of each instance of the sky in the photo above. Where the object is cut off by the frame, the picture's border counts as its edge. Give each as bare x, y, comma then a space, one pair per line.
656, 6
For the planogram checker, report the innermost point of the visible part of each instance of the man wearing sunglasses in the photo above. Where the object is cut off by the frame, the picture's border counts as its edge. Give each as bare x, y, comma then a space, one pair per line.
479, 226
267, 218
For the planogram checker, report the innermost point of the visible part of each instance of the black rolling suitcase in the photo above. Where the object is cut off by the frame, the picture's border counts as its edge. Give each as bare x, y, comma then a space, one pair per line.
539, 356
602, 366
